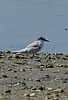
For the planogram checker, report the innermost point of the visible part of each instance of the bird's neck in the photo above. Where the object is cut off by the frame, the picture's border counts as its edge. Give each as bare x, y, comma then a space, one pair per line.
42, 42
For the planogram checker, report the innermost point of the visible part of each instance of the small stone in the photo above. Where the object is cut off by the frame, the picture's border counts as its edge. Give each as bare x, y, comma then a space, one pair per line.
50, 66
32, 94
4, 76
47, 76
21, 70
8, 91
29, 95
55, 98
38, 90
15, 77
41, 88
23, 83
41, 69
59, 90
34, 88
16, 84
30, 79
50, 88
10, 69
15, 71
26, 94
58, 70
38, 80
24, 70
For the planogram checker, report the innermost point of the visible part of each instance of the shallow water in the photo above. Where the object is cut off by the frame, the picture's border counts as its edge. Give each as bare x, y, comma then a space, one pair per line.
21, 21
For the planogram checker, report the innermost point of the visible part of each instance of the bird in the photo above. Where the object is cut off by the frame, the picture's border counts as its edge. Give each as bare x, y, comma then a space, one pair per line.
33, 47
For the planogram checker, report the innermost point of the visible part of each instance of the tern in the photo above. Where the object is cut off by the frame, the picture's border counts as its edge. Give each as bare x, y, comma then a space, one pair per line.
33, 47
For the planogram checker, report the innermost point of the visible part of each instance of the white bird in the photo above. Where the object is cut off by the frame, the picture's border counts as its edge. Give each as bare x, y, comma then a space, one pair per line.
34, 47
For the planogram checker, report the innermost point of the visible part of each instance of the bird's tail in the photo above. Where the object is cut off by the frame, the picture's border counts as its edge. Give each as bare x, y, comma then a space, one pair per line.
19, 51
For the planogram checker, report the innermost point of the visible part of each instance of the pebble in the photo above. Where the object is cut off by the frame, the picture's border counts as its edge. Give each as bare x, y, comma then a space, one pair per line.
9, 69
4, 76
8, 91
30, 95
17, 84
49, 88
21, 70
55, 98
59, 90
41, 88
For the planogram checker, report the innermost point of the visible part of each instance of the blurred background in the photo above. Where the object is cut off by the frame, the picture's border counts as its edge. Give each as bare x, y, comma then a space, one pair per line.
22, 21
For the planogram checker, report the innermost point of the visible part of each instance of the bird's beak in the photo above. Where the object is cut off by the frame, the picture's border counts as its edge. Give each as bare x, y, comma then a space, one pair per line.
47, 40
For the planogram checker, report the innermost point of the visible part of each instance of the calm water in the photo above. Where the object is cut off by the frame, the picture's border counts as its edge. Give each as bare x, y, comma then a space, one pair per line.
22, 21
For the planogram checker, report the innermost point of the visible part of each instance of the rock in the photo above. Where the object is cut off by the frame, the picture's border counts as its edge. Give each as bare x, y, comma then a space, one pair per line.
29, 95
41, 88
8, 91
23, 70
49, 89
4, 76
9, 69
32, 94
17, 84
59, 90
55, 98
50, 66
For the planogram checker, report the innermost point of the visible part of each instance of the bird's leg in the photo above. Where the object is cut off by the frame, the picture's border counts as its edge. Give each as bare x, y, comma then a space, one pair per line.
33, 54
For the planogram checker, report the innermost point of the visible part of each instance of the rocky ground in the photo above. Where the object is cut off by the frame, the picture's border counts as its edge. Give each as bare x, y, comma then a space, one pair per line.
42, 77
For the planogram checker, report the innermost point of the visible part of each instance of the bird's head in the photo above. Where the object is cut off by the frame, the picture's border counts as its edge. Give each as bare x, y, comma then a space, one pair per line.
43, 39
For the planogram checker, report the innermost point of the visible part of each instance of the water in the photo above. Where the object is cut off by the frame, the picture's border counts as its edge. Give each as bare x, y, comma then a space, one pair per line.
22, 21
